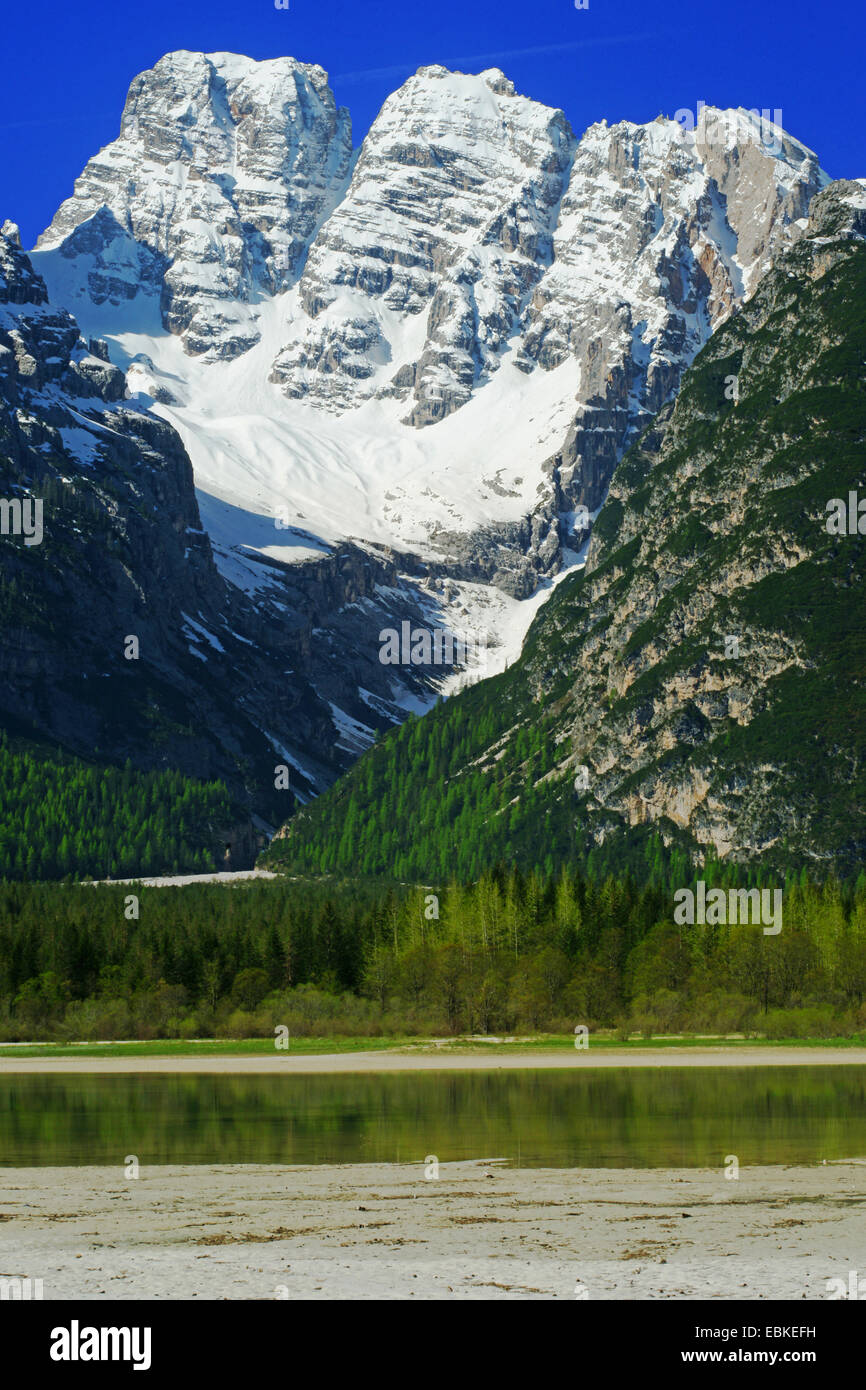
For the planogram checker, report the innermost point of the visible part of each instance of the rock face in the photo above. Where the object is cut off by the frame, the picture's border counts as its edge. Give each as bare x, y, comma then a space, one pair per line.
479, 212
211, 194
217, 686
662, 233
720, 614
448, 220
698, 690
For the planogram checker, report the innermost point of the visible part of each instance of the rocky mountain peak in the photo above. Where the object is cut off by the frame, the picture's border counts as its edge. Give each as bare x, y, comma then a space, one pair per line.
662, 232
450, 213
19, 283
839, 211
211, 194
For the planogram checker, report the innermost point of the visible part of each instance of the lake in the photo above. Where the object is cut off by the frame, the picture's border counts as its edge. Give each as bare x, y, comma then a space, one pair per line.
677, 1117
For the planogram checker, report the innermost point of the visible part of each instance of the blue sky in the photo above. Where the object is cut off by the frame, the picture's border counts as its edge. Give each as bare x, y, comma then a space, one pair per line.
65, 68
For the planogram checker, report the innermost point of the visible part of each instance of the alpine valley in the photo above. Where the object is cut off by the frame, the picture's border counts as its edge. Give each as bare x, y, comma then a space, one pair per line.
484, 376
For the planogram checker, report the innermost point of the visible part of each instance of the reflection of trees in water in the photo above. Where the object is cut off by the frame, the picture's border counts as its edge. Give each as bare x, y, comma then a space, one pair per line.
665, 1117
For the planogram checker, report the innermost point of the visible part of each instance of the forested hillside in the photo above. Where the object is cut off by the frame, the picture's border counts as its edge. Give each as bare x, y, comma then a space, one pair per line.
60, 816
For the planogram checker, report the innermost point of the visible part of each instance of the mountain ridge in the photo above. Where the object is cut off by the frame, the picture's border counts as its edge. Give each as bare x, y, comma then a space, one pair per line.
698, 688
472, 237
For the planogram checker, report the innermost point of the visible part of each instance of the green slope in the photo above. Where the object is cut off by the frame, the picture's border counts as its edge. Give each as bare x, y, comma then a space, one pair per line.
61, 816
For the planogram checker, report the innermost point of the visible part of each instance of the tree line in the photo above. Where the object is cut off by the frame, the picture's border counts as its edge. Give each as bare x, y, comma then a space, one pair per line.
61, 817
513, 952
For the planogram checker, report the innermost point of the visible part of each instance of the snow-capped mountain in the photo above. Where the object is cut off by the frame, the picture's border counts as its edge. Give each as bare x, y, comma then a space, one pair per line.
211, 195
420, 278
435, 350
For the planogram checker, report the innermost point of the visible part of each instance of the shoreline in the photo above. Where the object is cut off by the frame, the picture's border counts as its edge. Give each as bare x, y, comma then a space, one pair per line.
331, 1063
476, 1230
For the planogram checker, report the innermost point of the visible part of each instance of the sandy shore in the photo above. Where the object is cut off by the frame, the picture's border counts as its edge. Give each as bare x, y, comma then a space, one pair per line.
479, 1231
441, 1060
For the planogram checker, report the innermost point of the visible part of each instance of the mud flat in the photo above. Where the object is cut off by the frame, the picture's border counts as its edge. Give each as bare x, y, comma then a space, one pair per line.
478, 1230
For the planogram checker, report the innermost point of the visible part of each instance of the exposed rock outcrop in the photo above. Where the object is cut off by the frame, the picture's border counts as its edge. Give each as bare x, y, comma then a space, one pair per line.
211, 194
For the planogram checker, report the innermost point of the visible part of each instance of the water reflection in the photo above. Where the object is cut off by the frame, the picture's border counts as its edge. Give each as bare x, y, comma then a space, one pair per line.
638, 1119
